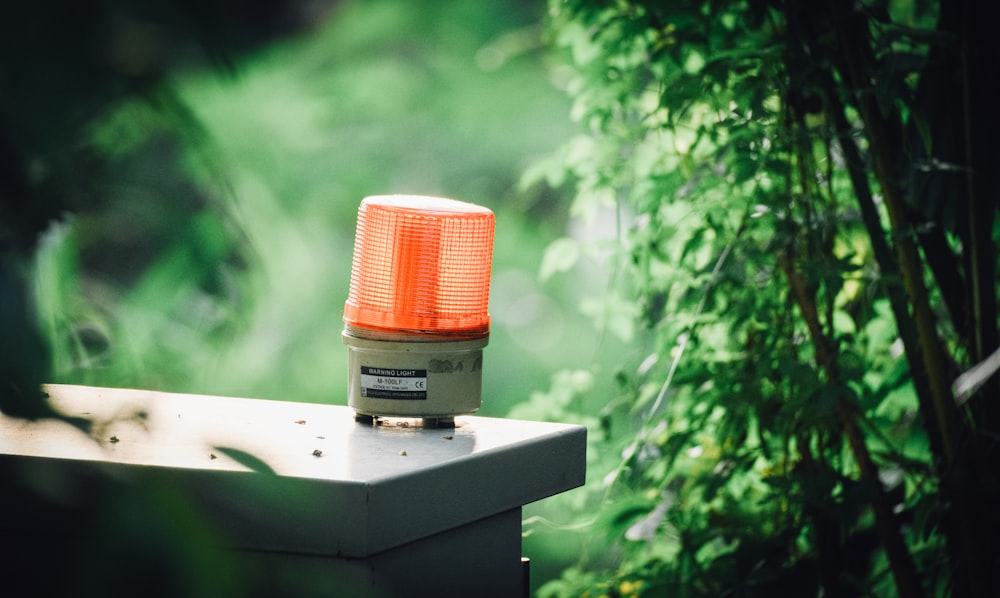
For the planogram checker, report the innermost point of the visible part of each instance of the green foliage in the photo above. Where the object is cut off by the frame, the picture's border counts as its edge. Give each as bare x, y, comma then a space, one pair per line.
186, 224
217, 258
774, 438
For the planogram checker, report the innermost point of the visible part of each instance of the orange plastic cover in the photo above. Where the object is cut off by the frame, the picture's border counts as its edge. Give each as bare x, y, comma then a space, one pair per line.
421, 265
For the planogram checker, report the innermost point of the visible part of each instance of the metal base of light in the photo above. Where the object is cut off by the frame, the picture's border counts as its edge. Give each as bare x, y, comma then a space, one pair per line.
428, 423
433, 380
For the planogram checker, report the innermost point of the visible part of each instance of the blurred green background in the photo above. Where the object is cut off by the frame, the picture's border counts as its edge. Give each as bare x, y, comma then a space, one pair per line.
220, 260
213, 253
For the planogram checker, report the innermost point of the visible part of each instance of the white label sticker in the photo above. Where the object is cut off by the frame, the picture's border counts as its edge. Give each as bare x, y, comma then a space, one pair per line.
392, 383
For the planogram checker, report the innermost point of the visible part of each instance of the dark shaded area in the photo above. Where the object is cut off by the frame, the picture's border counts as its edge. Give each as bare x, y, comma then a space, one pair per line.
66, 63
63, 65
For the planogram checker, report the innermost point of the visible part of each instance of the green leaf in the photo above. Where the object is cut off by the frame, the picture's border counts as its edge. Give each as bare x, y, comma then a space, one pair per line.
247, 460
560, 256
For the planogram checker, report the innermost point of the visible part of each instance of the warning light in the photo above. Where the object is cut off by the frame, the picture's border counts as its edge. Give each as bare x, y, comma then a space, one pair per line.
421, 266
416, 317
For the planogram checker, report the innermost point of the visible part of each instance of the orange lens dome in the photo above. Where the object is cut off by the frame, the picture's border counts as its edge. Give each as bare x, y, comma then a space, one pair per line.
421, 266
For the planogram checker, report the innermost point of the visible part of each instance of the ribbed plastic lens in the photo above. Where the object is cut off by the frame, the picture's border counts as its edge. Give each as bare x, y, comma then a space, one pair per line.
421, 266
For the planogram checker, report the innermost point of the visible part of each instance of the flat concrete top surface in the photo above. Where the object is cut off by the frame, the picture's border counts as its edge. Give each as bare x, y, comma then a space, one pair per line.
358, 488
